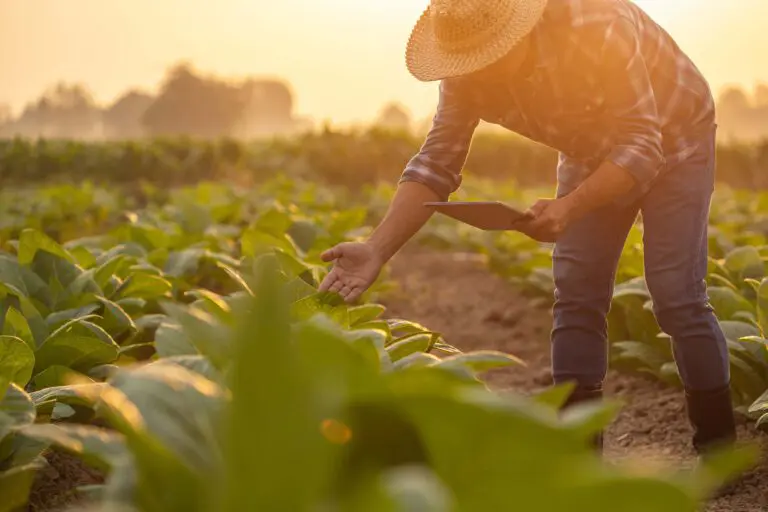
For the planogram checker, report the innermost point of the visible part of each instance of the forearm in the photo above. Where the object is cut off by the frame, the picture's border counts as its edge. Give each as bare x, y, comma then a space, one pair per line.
607, 183
405, 217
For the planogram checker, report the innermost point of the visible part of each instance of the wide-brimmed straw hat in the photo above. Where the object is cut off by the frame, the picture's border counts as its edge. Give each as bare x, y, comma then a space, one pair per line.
458, 37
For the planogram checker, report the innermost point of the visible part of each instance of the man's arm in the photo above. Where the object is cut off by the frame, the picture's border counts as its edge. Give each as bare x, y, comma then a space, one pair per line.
431, 175
636, 156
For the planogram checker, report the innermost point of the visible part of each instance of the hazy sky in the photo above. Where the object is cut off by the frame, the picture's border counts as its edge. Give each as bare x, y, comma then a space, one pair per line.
344, 58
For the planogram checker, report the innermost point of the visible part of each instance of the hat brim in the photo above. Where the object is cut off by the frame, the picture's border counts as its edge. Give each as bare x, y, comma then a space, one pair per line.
427, 61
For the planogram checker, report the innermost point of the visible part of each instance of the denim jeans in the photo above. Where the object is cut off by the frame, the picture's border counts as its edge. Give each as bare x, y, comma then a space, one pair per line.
675, 216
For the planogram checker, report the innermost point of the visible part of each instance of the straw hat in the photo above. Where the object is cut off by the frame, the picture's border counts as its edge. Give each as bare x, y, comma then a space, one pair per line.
457, 37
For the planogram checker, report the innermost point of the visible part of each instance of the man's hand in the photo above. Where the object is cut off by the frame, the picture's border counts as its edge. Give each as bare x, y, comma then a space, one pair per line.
356, 267
549, 218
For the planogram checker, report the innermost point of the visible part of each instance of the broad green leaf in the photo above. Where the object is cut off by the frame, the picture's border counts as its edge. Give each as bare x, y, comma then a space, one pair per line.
189, 432
20, 280
635, 355
16, 325
365, 313
59, 318
735, 330
409, 344
555, 396
16, 410
31, 241
16, 361
116, 320
15, 485
185, 262
141, 285
744, 262
416, 360
139, 351
171, 340
57, 375
82, 256
84, 395
479, 361
197, 363
762, 305
79, 345
209, 336
303, 233
235, 276
400, 327
727, 302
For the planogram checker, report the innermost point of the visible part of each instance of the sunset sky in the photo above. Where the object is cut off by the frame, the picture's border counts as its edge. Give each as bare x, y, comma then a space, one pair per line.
344, 58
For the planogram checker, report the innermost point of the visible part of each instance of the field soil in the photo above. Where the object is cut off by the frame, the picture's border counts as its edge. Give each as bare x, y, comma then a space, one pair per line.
455, 295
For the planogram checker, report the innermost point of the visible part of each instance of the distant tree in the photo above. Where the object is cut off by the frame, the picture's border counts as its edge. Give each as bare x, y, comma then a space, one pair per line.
761, 95
5, 113
123, 119
205, 106
268, 109
394, 116
63, 111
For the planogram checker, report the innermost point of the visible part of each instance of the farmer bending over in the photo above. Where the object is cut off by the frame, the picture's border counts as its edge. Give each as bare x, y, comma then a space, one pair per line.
634, 123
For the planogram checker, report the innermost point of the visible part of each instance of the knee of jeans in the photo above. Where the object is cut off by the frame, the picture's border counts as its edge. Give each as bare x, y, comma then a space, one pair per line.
679, 304
582, 292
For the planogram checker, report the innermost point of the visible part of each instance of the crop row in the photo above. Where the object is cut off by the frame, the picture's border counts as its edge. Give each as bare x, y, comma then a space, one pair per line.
183, 349
337, 158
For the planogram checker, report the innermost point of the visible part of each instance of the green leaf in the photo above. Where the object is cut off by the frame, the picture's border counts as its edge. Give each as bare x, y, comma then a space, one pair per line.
15, 485
409, 344
416, 360
480, 361
16, 325
762, 305
16, 410
116, 320
141, 285
83, 395
555, 396
57, 375
16, 361
171, 340
185, 262
727, 302
365, 313
734, 330
744, 262
79, 345
31, 241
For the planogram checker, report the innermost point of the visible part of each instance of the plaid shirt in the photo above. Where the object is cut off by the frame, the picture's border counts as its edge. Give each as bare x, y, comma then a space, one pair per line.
605, 82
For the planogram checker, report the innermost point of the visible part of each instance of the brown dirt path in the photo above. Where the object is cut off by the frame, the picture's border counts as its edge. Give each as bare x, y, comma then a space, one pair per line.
477, 310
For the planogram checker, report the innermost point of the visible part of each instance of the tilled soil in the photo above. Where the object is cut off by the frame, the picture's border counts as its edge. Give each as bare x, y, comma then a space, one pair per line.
476, 310
55, 487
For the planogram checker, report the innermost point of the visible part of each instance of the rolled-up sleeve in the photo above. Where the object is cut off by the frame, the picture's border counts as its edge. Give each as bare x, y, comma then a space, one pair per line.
442, 156
637, 145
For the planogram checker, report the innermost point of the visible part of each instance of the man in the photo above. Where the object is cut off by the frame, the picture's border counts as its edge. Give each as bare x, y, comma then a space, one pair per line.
633, 120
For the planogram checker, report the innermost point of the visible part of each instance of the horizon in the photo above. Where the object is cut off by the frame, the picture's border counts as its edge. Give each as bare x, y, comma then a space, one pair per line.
325, 53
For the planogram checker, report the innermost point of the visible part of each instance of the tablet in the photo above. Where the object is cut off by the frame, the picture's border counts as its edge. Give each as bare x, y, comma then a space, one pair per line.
485, 215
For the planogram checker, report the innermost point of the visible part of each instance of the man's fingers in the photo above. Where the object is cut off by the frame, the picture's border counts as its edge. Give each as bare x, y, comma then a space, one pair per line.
354, 294
329, 281
336, 286
331, 254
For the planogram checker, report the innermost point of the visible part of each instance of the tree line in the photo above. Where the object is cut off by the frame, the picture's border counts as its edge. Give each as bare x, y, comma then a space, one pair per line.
188, 103
193, 104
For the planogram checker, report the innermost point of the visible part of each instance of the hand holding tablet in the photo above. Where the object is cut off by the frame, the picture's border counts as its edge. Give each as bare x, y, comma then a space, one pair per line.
485, 215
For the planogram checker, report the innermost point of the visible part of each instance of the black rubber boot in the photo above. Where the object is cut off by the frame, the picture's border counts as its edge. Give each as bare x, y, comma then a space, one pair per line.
583, 395
712, 418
